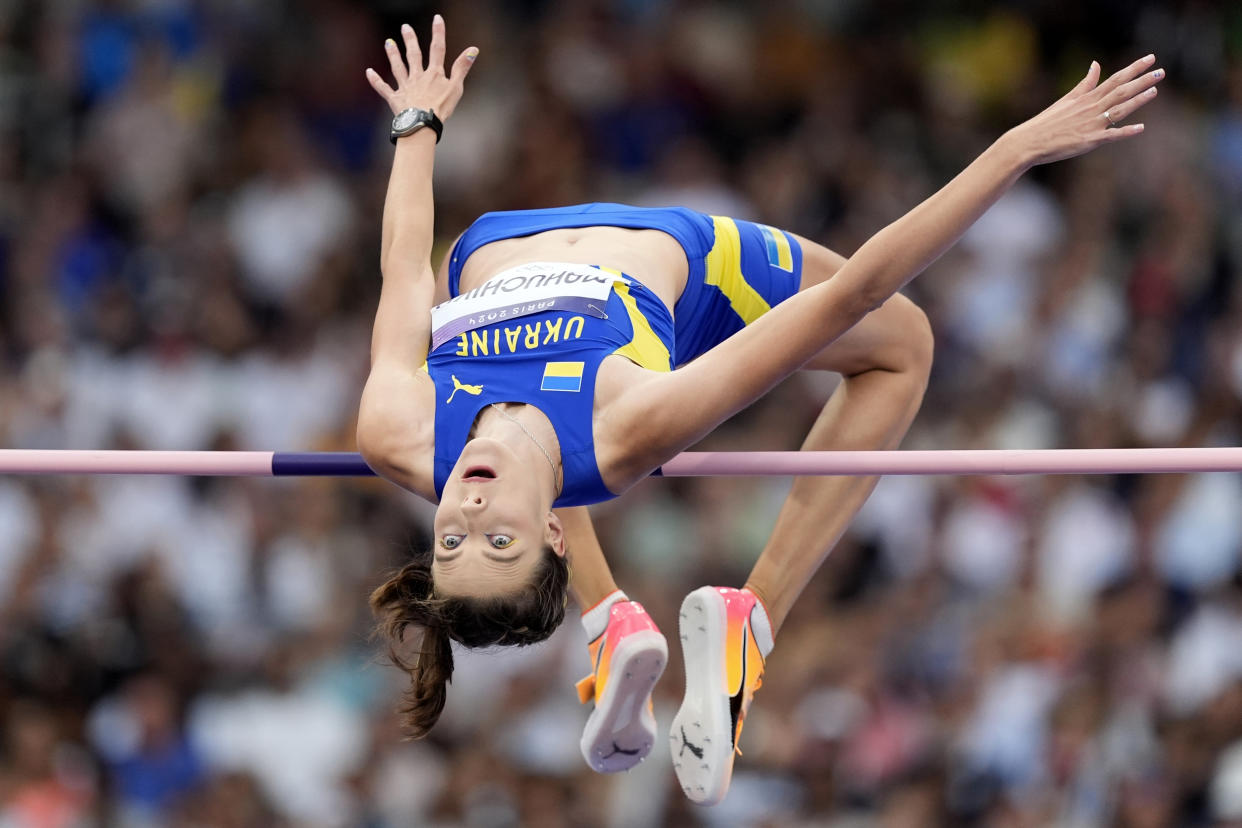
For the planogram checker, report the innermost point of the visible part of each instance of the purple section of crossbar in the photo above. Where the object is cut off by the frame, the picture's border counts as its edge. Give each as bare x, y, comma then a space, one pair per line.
690, 464
320, 464
865, 463
227, 463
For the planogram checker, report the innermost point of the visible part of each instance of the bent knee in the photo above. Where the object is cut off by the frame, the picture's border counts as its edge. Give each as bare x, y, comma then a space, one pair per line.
903, 340
918, 343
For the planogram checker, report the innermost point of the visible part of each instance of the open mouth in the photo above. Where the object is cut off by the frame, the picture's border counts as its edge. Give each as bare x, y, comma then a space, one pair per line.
479, 473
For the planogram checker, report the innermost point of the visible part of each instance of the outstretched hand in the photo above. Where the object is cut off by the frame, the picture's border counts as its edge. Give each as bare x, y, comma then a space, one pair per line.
1090, 114
428, 88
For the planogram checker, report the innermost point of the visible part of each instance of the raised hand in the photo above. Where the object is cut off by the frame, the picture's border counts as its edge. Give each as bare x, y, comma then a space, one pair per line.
1089, 115
428, 88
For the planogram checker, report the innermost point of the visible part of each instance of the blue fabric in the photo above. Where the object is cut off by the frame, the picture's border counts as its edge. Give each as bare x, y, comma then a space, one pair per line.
107, 50
703, 313
508, 361
158, 776
703, 316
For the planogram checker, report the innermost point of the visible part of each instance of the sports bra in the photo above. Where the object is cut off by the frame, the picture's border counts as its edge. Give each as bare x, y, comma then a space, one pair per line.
537, 334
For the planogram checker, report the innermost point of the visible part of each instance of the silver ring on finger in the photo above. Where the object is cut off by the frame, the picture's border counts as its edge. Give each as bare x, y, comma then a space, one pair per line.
1108, 117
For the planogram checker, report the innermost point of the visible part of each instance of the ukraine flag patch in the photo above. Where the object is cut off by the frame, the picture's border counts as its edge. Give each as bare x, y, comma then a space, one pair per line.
562, 376
779, 253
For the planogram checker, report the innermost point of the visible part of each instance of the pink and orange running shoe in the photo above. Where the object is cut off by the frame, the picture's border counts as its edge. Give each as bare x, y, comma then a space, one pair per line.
725, 637
628, 660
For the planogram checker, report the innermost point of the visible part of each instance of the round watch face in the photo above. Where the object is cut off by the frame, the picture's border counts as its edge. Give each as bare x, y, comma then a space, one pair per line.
405, 119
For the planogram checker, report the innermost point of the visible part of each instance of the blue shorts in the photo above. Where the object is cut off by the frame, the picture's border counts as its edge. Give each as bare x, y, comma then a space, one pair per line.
738, 270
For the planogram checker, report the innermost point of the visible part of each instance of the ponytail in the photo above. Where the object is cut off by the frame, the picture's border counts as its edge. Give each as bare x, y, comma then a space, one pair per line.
402, 602
408, 600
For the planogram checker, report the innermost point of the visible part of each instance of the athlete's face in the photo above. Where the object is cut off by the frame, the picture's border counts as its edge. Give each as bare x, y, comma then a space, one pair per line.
492, 523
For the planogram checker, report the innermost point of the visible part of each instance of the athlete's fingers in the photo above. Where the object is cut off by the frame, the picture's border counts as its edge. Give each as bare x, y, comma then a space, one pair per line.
379, 85
1123, 110
435, 53
1127, 74
413, 53
1133, 89
1121, 133
399, 72
461, 66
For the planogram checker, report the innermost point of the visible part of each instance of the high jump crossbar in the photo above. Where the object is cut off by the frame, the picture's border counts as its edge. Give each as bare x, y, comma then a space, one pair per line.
688, 464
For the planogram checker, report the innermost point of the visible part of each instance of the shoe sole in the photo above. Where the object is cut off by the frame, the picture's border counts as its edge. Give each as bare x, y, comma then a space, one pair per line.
701, 738
621, 730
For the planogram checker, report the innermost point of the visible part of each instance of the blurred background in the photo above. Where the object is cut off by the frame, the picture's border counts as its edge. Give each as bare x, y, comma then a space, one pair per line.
190, 194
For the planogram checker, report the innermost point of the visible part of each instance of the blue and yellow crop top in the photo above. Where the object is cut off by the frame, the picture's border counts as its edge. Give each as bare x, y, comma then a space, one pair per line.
537, 334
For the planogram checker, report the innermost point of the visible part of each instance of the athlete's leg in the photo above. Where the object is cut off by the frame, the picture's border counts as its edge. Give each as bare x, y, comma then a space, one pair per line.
885, 360
627, 655
725, 635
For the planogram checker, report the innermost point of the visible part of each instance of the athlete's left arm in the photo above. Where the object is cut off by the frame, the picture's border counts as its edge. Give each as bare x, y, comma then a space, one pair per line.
671, 411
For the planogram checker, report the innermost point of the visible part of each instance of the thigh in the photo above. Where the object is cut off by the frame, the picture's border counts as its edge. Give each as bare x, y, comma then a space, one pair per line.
886, 339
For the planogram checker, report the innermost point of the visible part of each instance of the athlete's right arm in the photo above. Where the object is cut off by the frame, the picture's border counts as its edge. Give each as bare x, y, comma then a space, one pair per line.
394, 417
672, 411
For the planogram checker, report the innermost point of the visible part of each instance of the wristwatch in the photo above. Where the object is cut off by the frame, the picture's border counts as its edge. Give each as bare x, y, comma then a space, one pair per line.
411, 120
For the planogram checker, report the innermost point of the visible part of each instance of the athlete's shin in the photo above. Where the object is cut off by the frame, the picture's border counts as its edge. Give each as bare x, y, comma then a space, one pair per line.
872, 410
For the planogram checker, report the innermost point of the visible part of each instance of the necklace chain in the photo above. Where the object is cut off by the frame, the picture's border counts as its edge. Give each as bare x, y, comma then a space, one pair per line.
538, 444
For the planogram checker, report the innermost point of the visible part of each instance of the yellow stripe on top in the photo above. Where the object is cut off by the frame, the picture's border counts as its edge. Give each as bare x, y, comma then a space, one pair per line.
646, 349
724, 270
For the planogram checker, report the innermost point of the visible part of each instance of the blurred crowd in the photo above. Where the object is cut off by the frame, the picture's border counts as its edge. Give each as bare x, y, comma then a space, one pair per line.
190, 193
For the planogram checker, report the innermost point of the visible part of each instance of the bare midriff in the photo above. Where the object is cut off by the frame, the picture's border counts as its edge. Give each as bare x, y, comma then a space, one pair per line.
651, 256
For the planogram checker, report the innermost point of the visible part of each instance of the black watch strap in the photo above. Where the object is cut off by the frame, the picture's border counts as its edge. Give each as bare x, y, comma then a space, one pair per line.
427, 117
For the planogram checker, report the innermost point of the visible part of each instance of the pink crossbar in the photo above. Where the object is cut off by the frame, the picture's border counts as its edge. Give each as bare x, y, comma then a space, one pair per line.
227, 463
1031, 461
689, 464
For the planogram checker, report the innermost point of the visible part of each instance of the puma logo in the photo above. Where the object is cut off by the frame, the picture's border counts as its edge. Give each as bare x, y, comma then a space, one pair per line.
617, 749
685, 743
473, 390
736, 700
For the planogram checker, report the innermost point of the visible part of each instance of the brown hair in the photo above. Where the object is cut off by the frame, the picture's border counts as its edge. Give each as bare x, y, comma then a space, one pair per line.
407, 599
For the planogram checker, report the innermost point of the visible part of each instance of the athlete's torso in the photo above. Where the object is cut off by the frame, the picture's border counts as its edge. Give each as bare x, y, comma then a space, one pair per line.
621, 238
562, 337
716, 273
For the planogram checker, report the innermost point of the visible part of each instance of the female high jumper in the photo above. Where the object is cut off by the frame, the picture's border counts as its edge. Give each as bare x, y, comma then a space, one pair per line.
564, 354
